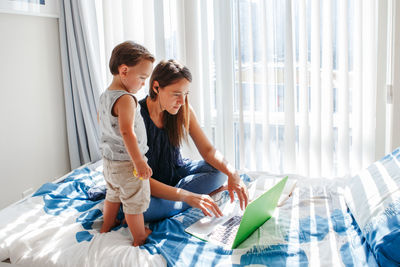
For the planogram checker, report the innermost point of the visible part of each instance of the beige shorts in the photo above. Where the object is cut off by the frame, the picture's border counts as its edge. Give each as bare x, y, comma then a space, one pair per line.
122, 186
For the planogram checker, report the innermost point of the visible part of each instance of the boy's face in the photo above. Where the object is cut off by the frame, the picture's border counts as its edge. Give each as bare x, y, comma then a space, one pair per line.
134, 77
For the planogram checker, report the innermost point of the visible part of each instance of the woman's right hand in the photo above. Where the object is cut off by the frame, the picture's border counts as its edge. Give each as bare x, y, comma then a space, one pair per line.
203, 202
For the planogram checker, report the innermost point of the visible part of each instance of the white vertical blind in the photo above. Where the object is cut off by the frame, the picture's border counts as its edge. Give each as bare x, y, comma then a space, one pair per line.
290, 134
369, 81
276, 153
327, 91
193, 59
315, 125
304, 134
183, 26
251, 86
160, 51
206, 53
224, 77
132, 25
117, 21
108, 23
148, 25
240, 86
302, 81
264, 22
100, 29
343, 92
356, 120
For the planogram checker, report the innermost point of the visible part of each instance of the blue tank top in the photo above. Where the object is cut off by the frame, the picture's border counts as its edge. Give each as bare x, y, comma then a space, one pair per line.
162, 157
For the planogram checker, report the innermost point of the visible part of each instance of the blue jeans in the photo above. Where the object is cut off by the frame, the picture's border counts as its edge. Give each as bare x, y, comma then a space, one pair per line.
197, 177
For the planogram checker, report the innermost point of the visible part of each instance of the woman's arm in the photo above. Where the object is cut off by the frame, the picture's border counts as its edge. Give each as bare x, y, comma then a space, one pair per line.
217, 160
203, 202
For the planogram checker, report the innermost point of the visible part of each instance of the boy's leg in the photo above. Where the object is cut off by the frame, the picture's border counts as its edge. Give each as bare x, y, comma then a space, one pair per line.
135, 198
110, 212
136, 225
112, 201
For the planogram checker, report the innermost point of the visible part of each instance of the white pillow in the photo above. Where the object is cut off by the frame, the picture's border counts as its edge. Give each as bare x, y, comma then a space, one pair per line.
373, 197
370, 192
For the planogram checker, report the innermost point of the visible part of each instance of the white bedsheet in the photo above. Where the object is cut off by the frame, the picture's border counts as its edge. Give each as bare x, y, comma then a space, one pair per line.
312, 228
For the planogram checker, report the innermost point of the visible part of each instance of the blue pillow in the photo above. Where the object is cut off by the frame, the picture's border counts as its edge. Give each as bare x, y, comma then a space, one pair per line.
373, 197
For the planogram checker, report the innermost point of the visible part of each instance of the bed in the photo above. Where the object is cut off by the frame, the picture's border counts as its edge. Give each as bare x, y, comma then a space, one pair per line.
326, 222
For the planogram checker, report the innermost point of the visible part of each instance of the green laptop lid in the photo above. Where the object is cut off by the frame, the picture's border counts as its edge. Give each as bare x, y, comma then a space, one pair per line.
258, 212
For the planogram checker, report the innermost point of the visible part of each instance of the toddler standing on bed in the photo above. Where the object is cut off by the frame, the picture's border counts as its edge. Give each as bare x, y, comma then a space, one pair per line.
123, 140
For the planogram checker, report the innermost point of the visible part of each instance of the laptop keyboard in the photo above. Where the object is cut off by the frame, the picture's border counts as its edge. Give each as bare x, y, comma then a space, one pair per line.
226, 232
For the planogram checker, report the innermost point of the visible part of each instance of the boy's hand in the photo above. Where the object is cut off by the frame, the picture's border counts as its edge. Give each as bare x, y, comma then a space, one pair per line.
143, 170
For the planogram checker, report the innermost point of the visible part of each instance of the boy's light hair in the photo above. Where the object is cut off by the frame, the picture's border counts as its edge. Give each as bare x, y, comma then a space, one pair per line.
130, 54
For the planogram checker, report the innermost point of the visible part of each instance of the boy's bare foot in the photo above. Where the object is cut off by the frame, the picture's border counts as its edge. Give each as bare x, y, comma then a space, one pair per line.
142, 241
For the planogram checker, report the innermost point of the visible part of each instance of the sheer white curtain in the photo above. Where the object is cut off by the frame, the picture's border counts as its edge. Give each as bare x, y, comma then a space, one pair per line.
308, 84
121, 20
169, 29
179, 29
281, 86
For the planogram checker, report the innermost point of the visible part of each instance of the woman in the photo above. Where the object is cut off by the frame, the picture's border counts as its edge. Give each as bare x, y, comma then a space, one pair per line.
178, 184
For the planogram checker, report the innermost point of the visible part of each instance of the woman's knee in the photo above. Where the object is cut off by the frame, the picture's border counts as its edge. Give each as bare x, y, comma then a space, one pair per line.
219, 179
203, 183
200, 166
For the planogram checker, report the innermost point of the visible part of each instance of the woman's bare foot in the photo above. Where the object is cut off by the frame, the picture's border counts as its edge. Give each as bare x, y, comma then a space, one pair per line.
221, 188
148, 231
104, 228
141, 241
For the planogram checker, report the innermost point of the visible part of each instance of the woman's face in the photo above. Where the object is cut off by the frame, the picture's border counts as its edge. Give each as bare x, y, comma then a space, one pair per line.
173, 96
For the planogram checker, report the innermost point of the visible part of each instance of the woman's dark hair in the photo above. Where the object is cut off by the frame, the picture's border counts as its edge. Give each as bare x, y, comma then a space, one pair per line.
130, 54
167, 73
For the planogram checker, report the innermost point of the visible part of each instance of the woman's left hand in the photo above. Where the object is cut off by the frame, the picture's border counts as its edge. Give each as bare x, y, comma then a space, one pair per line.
235, 184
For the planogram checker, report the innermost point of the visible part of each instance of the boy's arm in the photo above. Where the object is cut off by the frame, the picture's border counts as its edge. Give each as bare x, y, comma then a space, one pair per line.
125, 108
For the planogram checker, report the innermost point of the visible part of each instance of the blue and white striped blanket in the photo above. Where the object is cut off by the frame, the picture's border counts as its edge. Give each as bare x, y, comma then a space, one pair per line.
59, 226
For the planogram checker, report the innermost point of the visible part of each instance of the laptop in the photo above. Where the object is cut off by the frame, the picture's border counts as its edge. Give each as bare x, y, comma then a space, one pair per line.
236, 226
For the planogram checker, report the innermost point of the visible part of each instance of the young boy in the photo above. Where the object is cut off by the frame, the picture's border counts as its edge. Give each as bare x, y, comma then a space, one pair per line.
124, 141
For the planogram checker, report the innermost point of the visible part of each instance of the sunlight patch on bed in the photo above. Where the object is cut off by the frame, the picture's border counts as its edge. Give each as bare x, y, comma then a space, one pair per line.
332, 234
294, 244
314, 259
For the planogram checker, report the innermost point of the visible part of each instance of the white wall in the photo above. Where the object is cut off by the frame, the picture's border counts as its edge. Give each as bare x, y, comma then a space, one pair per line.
33, 143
